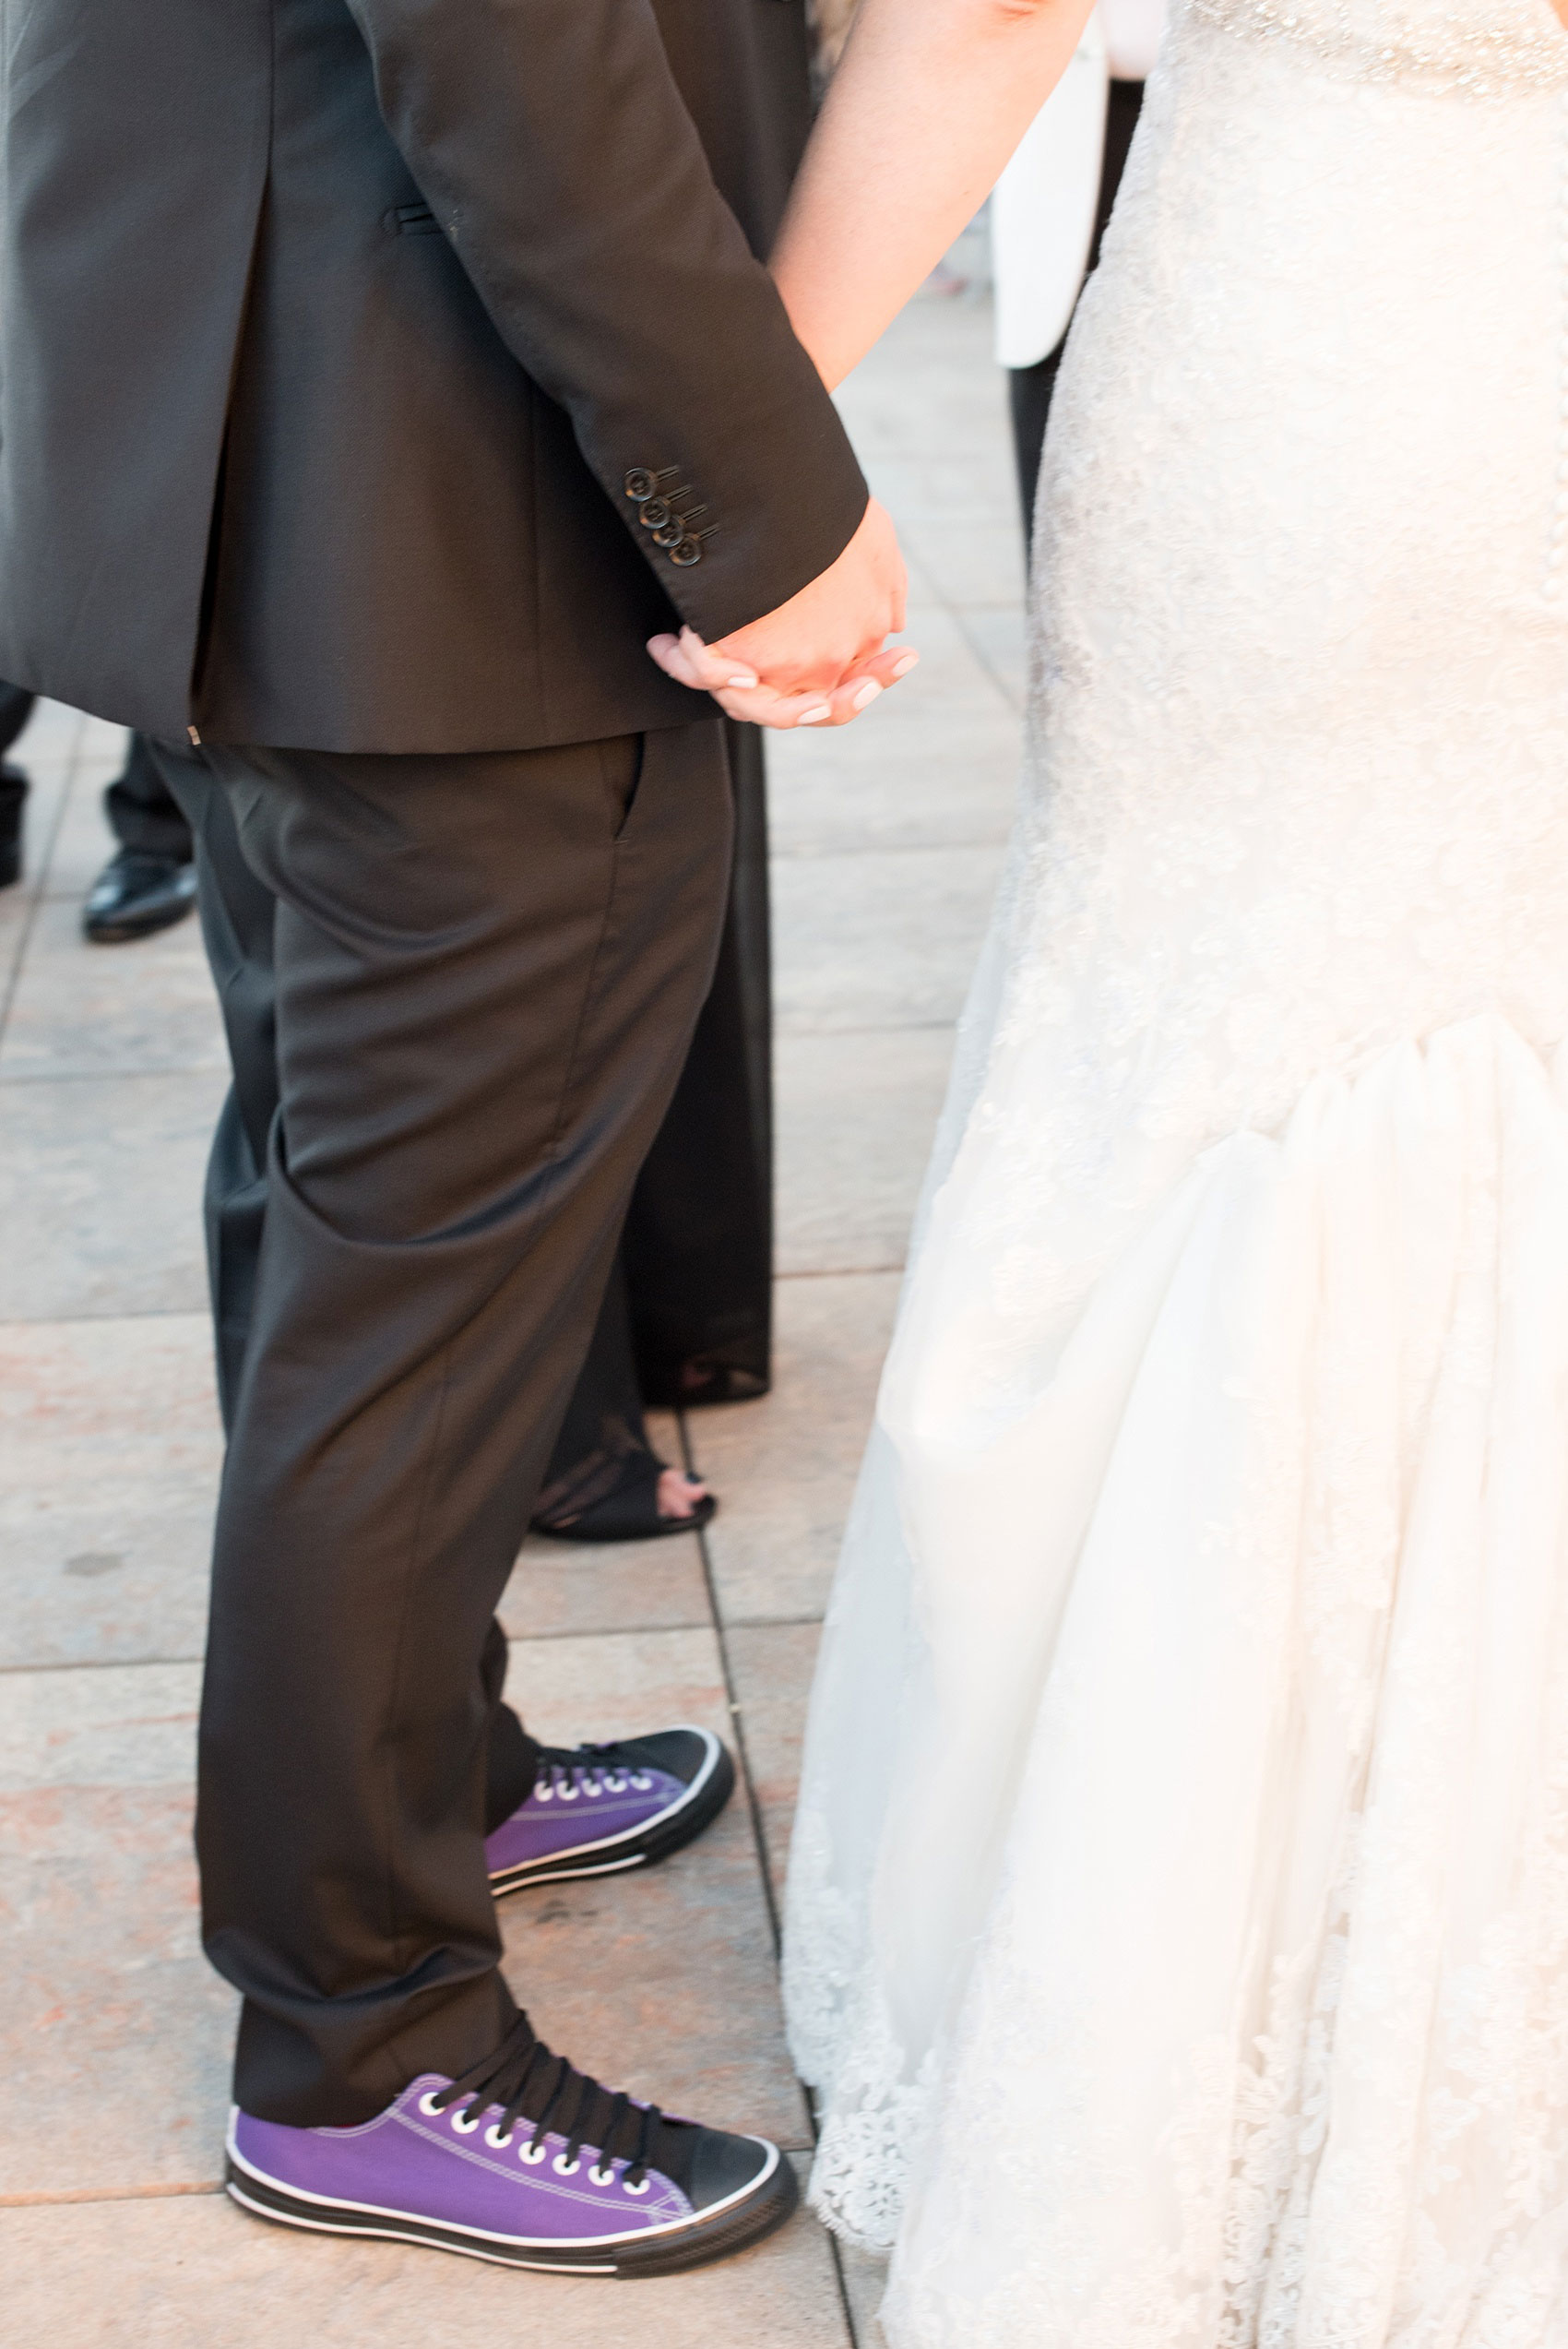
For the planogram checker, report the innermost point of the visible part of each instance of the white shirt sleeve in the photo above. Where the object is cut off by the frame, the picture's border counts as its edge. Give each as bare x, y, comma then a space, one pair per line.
1042, 213
1134, 30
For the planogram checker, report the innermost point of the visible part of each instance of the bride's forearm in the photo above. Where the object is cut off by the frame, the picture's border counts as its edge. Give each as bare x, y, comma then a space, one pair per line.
929, 102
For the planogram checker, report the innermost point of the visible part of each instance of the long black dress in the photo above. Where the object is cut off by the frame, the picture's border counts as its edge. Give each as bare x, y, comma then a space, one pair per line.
687, 1315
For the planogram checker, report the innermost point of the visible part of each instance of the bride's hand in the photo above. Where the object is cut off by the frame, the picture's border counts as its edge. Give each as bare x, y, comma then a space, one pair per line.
819, 659
740, 694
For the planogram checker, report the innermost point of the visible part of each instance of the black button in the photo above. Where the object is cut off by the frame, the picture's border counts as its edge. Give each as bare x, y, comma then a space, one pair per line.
656, 512
685, 552
669, 533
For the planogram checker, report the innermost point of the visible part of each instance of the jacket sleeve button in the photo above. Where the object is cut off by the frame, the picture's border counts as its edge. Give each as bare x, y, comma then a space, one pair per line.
642, 481
685, 552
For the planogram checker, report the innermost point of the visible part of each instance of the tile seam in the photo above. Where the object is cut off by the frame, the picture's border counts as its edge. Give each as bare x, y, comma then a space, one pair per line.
78, 2194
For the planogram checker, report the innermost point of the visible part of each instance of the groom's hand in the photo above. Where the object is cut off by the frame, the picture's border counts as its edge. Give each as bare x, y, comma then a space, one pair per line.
819, 659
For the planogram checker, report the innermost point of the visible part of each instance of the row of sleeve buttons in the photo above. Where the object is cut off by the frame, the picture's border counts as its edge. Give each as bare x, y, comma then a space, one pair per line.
664, 513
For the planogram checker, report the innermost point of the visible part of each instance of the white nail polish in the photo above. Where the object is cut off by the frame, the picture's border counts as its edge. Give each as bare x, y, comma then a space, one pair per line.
902, 668
866, 695
744, 683
814, 717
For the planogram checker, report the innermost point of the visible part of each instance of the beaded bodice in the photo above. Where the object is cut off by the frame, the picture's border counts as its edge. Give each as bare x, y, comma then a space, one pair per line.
1483, 46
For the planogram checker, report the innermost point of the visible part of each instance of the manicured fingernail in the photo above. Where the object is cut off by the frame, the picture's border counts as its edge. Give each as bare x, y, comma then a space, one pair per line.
814, 717
742, 680
867, 693
902, 667
689, 635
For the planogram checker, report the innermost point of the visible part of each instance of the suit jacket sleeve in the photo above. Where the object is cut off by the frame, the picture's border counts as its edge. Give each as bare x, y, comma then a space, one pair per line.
552, 143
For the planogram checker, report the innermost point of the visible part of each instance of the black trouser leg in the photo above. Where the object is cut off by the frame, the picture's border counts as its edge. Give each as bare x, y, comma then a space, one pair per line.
603, 1438
237, 912
485, 988
142, 812
687, 1314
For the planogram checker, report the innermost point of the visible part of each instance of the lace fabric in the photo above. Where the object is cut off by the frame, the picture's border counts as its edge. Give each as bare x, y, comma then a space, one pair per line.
1178, 1903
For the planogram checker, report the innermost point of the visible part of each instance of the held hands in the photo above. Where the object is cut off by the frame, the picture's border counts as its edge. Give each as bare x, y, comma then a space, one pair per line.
819, 659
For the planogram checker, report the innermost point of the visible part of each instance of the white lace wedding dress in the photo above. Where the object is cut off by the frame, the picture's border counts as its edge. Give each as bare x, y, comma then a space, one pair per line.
1178, 1904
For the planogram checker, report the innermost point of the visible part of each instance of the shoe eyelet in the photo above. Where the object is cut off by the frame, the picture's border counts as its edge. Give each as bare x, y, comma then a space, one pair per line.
534, 2153
428, 2105
601, 2177
464, 2127
496, 2142
641, 2188
568, 1793
641, 1781
616, 1786
590, 1786
545, 1793
566, 2169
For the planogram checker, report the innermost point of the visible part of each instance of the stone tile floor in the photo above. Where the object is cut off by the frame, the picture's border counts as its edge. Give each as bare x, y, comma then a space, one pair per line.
113, 2035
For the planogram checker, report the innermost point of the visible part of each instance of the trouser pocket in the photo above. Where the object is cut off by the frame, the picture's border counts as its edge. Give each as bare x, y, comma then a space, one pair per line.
621, 765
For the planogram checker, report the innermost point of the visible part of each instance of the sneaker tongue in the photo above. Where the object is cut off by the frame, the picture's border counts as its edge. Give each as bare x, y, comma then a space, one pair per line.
671, 2144
672, 2148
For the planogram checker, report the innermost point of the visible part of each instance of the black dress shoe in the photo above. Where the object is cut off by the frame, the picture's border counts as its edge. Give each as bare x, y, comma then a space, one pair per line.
13, 793
136, 894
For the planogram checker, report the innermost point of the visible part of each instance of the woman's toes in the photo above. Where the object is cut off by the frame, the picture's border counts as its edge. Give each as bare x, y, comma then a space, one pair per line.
680, 1493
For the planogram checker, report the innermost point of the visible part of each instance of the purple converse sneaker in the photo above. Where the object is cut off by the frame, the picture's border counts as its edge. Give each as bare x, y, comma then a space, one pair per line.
597, 1809
525, 2161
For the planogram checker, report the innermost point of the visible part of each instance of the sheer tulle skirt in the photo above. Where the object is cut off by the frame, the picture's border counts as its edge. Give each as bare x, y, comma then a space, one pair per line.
1265, 2035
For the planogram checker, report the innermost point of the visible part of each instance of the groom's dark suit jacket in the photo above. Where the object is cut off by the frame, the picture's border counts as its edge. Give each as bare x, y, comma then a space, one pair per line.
331, 331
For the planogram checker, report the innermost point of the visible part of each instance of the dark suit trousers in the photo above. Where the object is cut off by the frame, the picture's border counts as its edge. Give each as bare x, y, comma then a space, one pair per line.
486, 971
239, 915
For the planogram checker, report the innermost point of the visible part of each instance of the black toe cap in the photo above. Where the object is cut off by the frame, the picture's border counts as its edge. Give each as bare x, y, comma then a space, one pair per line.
724, 2167
683, 1753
